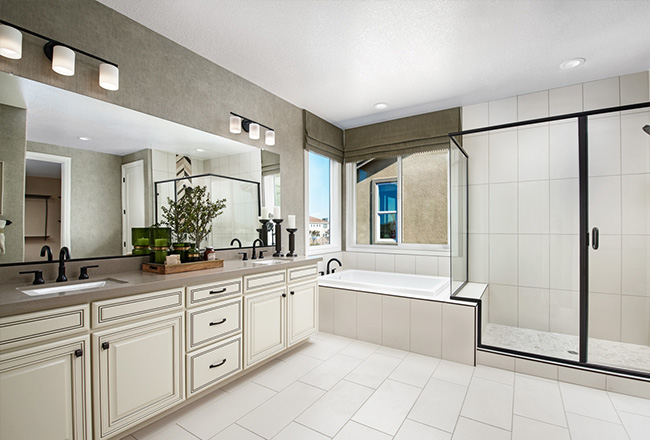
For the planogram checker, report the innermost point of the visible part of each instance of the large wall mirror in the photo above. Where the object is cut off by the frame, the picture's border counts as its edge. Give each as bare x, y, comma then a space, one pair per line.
81, 172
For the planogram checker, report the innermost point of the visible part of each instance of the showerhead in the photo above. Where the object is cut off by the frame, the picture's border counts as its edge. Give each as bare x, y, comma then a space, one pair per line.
646, 128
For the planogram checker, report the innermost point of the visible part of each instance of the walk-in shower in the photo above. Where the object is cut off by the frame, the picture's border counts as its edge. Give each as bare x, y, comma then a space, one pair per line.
565, 216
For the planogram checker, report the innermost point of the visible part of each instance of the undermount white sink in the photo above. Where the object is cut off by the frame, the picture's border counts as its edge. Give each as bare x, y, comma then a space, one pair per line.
66, 287
267, 262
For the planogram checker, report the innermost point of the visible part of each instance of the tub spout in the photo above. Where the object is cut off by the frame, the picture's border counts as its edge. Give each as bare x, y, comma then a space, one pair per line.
330, 262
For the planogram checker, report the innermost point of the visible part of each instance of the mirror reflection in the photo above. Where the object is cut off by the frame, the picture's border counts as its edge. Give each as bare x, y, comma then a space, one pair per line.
79, 172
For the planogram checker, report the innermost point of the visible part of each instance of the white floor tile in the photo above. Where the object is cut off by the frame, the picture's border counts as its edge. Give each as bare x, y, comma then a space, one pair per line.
359, 349
294, 368
393, 352
250, 377
330, 372
454, 372
472, 430
528, 429
630, 404
415, 370
355, 431
298, 432
495, 374
489, 402
214, 418
374, 370
332, 411
411, 430
387, 408
273, 415
439, 405
173, 432
539, 399
586, 428
236, 432
130, 437
588, 402
637, 427
326, 348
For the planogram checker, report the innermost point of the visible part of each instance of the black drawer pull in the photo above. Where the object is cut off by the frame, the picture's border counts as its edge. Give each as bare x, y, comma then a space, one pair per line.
212, 292
219, 322
218, 365
78, 352
292, 292
284, 295
105, 345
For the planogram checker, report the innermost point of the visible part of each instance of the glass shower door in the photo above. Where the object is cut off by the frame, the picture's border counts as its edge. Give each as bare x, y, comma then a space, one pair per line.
619, 240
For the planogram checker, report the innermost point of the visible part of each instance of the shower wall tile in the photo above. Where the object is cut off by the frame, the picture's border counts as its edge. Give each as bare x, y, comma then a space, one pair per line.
605, 204
533, 260
635, 326
601, 94
534, 307
479, 258
604, 146
503, 259
564, 312
605, 265
444, 267
350, 260
503, 304
426, 265
564, 206
366, 261
605, 316
503, 111
534, 207
532, 106
634, 88
475, 116
385, 263
405, 263
635, 143
636, 261
478, 196
563, 149
636, 204
533, 152
477, 148
564, 265
565, 100
503, 208
503, 156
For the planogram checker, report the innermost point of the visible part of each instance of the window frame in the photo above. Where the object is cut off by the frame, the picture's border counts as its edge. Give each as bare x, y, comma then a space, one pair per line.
335, 209
376, 213
351, 245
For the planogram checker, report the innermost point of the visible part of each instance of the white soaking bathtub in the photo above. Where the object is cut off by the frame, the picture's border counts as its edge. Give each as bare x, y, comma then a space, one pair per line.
388, 283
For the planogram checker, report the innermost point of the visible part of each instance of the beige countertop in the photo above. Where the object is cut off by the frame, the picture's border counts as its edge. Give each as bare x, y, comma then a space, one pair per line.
14, 302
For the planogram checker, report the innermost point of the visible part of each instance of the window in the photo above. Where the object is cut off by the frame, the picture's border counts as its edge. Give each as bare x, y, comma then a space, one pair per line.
399, 202
323, 203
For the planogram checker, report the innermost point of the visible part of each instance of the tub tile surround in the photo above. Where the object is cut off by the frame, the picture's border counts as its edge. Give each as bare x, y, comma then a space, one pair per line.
523, 203
412, 397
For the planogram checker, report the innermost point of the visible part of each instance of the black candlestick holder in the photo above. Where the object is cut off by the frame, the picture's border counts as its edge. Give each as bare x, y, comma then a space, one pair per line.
264, 233
292, 242
278, 237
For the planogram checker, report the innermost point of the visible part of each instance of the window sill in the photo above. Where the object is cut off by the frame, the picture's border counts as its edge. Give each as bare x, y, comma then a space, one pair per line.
387, 249
323, 250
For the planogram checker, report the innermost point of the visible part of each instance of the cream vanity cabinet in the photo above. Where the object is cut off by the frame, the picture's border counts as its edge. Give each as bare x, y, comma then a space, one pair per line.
280, 310
213, 333
45, 388
138, 368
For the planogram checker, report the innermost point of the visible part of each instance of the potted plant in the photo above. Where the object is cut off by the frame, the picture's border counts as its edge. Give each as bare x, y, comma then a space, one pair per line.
199, 213
174, 218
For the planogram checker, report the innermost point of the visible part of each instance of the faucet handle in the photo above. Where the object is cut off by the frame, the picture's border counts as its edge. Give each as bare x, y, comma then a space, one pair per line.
83, 275
262, 253
245, 255
38, 276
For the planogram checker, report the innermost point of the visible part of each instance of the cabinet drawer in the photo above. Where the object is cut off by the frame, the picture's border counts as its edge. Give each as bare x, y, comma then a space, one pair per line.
126, 309
213, 322
303, 273
213, 364
218, 290
16, 331
265, 280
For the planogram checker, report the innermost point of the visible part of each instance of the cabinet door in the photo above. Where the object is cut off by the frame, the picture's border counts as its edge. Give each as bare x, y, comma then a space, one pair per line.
302, 311
265, 324
45, 392
137, 372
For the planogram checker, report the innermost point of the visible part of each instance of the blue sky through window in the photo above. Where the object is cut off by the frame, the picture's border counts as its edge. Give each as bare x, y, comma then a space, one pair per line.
319, 186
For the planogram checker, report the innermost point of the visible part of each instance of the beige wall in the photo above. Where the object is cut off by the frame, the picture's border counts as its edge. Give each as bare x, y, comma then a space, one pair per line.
157, 77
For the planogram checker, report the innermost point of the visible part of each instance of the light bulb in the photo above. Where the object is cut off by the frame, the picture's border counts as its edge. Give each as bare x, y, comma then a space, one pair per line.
254, 131
235, 124
11, 42
109, 76
269, 137
63, 60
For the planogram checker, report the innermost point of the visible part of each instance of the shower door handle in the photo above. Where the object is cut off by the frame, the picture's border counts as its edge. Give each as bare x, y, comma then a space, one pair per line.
595, 238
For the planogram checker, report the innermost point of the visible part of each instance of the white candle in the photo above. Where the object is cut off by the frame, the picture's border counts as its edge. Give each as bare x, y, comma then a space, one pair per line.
276, 212
291, 221
265, 212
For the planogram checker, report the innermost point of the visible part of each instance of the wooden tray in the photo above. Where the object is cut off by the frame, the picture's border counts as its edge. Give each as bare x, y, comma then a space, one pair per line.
183, 267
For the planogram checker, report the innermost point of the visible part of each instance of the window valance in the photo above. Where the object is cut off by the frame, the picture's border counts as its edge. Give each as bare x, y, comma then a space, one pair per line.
322, 138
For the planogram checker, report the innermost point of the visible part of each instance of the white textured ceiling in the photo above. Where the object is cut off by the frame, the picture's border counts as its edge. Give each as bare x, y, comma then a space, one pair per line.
337, 58
59, 117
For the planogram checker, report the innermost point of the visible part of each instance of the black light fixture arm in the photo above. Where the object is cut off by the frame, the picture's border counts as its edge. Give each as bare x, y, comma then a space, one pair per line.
51, 43
245, 122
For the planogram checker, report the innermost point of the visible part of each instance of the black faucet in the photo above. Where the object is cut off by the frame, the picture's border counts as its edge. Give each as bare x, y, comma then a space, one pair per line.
254, 257
235, 240
64, 254
48, 250
328, 265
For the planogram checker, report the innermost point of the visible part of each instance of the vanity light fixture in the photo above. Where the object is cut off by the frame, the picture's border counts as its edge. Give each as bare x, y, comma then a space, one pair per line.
61, 55
239, 123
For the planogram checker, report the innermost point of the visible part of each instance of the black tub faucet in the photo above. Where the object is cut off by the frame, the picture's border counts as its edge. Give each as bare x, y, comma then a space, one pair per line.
254, 256
46, 249
235, 240
64, 254
328, 265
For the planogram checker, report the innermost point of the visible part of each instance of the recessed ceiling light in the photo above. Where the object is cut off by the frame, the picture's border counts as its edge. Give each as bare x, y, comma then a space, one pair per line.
381, 105
84, 138
200, 150
572, 64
